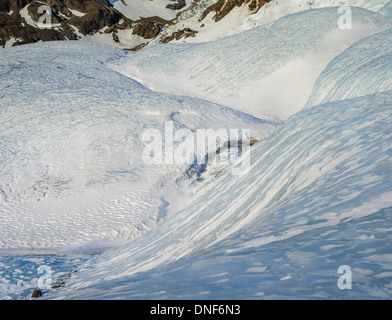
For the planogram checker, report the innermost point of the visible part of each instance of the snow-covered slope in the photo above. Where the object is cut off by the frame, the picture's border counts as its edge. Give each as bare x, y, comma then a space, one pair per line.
276, 9
318, 196
71, 167
267, 72
134, 24
205, 26
363, 70
136, 9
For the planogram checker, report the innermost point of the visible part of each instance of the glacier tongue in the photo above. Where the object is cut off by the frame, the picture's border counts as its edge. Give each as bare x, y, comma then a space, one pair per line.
318, 197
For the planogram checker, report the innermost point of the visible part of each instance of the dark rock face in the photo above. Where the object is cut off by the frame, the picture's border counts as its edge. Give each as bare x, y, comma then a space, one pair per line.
147, 29
223, 7
70, 18
220, 9
36, 294
183, 33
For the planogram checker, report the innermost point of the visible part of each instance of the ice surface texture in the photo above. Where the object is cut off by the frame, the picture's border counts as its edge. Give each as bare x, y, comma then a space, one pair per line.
267, 72
318, 194
71, 167
318, 197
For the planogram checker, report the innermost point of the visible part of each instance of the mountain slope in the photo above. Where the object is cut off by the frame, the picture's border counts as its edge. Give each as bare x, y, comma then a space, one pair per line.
71, 19
355, 70
138, 23
277, 9
210, 20
137, 9
122, 23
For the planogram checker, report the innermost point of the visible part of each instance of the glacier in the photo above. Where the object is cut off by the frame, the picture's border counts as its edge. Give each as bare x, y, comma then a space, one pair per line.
387, 9
71, 167
75, 195
331, 207
72, 178
318, 197
363, 70
256, 71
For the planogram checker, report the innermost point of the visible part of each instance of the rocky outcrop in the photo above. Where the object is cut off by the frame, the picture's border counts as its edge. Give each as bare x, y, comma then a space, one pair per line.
146, 28
223, 7
36, 294
178, 5
192, 21
180, 34
69, 20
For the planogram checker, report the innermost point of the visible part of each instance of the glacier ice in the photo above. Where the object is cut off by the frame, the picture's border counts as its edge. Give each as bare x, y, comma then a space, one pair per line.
387, 9
267, 72
331, 207
71, 164
363, 70
318, 197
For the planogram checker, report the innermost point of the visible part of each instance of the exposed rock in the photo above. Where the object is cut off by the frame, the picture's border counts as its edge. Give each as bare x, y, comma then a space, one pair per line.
146, 28
183, 33
176, 30
125, 24
73, 19
137, 48
115, 37
70, 18
36, 294
59, 283
176, 6
223, 7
